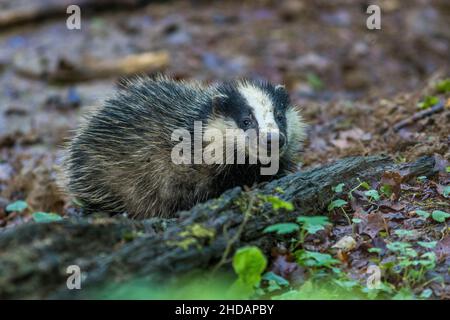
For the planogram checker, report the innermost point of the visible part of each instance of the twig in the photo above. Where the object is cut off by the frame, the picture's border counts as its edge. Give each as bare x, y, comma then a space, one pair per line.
236, 236
419, 115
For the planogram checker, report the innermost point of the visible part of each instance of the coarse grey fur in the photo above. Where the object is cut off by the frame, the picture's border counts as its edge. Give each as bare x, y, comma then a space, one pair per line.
120, 158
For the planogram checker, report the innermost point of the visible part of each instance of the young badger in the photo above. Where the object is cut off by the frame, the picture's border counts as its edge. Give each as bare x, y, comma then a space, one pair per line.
120, 159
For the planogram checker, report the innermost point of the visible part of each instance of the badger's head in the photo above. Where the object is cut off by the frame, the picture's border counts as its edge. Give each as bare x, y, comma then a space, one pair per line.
248, 107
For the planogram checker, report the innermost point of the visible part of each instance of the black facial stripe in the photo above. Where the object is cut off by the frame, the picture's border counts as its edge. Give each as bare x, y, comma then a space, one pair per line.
255, 122
236, 107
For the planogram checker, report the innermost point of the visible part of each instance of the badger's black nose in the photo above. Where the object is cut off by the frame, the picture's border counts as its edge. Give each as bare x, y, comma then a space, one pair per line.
273, 136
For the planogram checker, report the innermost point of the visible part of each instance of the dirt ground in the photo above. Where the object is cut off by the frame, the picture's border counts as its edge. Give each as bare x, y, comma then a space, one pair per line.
354, 85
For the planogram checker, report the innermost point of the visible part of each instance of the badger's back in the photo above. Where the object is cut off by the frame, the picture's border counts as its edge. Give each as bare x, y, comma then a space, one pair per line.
120, 156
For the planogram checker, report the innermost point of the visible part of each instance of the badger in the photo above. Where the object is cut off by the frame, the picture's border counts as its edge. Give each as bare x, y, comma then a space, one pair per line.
121, 158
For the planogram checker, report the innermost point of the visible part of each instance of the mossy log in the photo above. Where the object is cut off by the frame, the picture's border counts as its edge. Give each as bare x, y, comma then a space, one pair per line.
34, 256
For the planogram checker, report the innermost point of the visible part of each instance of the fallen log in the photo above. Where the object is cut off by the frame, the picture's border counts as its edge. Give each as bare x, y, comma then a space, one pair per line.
41, 10
90, 69
34, 257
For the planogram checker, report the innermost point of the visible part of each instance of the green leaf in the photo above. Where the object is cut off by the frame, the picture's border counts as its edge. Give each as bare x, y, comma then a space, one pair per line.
404, 294
314, 81
346, 284
18, 206
446, 191
277, 203
46, 217
428, 102
338, 203
282, 228
372, 194
313, 229
313, 224
356, 220
398, 246
249, 263
440, 216
279, 190
386, 190
423, 214
270, 276
315, 259
365, 185
375, 250
404, 233
447, 169
443, 86
314, 220
339, 188
426, 293
429, 255
428, 245
422, 178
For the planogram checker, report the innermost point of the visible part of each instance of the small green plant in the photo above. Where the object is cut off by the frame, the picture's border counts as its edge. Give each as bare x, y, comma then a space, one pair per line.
361, 184
386, 190
43, 217
249, 264
315, 259
440, 216
275, 282
428, 245
404, 233
426, 293
428, 102
422, 178
305, 226
374, 250
282, 228
338, 203
372, 194
423, 214
443, 86
277, 203
18, 206
311, 225
314, 81
339, 188
446, 191
409, 265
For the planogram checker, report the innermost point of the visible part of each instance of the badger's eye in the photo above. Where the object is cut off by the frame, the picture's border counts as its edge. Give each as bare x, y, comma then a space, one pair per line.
247, 122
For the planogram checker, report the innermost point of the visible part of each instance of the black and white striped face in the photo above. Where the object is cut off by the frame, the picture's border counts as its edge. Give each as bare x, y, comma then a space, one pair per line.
253, 105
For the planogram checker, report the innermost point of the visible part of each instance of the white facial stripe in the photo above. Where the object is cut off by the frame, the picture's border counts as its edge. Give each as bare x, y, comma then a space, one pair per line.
261, 105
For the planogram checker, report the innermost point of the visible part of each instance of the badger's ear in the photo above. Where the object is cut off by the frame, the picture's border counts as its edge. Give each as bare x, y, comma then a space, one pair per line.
218, 103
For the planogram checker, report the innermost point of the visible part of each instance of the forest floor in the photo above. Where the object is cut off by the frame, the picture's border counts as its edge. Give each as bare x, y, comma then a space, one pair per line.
355, 87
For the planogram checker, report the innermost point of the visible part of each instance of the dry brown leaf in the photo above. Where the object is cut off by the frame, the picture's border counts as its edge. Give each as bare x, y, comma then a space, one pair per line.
345, 244
375, 223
